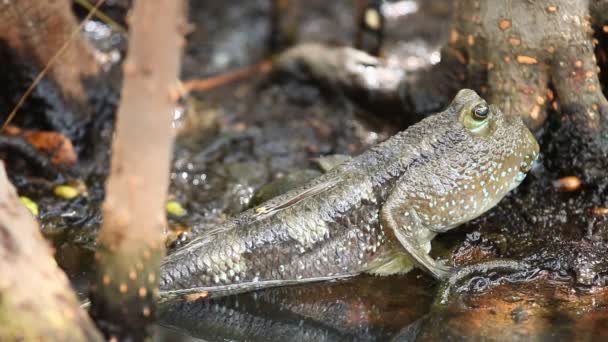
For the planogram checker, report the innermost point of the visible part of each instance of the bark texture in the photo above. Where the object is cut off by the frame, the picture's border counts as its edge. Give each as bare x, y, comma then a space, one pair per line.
36, 300
130, 244
524, 56
38, 29
526, 47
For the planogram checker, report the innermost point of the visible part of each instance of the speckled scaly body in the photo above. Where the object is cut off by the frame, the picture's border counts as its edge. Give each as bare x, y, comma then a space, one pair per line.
368, 214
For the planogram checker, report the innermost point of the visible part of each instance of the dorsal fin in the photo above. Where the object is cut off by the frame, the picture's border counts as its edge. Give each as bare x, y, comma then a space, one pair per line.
264, 210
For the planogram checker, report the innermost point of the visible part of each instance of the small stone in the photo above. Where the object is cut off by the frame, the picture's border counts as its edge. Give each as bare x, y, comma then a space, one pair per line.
123, 288
568, 183
599, 211
552, 8
175, 208
66, 192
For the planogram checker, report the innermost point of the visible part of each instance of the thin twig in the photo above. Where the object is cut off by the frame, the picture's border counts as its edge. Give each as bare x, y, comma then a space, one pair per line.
223, 79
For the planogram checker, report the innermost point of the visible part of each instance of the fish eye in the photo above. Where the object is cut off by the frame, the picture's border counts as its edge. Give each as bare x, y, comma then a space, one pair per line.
480, 112
477, 119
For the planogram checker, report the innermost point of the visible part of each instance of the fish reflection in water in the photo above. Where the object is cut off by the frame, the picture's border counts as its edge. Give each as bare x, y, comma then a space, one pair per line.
361, 309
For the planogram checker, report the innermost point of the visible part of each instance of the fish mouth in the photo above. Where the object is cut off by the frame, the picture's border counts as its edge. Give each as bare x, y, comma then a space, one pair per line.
526, 165
524, 168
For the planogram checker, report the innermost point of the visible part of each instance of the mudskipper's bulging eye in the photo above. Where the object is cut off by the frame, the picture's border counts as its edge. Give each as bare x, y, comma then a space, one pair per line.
481, 111
477, 119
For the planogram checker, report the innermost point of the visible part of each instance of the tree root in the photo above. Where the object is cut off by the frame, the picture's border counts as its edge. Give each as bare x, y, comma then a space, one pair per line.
522, 63
37, 301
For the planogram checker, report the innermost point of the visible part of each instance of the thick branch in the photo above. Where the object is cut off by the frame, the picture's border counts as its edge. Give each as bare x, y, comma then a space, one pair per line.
130, 244
36, 301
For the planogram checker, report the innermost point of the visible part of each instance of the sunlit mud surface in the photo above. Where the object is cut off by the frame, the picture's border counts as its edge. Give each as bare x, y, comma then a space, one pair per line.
234, 139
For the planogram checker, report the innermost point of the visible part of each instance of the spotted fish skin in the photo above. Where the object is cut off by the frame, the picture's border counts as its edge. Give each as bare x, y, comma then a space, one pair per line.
388, 203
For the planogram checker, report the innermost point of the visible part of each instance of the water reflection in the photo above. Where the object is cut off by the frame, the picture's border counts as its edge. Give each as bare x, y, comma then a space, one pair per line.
399, 308
361, 309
